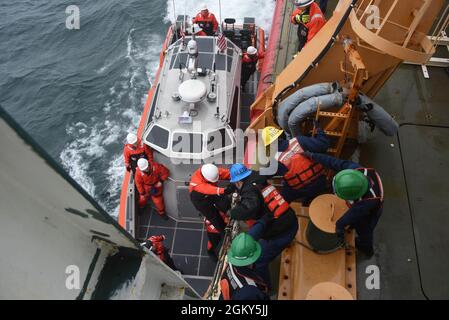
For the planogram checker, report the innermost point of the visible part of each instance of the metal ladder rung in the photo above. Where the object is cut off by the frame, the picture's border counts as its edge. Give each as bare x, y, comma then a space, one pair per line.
334, 114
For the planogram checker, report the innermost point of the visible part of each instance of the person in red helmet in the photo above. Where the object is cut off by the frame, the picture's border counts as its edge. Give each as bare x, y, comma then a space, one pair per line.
135, 150
156, 245
309, 18
207, 197
149, 180
249, 64
207, 21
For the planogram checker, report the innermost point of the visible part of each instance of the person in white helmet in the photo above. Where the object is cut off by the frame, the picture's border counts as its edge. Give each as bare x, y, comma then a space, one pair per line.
149, 179
207, 21
249, 64
309, 18
134, 150
210, 200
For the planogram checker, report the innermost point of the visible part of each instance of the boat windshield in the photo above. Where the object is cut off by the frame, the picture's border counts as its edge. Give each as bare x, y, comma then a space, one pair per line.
158, 136
218, 139
187, 142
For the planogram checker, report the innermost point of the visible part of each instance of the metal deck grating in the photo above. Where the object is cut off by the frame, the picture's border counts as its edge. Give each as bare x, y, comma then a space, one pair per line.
187, 242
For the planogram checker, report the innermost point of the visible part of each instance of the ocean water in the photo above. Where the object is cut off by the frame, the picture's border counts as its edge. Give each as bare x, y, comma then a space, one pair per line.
78, 92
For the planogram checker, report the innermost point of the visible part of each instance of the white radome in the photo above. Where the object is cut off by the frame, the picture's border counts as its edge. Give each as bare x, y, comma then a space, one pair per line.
192, 91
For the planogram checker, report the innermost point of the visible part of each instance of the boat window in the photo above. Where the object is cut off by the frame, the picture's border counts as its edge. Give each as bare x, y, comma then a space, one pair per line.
205, 61
180, 58
218, 139
230, 52
235, 109
220, 62
205, 44
158, 136
186, 142
153, 103
229, 63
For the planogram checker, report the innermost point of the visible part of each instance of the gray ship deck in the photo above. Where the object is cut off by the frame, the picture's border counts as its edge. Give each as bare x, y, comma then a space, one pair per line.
412, 237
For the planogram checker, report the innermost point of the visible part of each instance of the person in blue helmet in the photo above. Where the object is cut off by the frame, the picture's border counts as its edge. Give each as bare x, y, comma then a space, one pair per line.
259, 200
362, 190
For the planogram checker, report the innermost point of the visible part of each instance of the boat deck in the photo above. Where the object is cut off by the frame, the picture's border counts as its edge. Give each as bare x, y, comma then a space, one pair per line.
187, 240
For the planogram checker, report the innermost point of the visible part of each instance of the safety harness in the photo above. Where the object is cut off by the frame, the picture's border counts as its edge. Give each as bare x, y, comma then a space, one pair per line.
232, 281
375, 191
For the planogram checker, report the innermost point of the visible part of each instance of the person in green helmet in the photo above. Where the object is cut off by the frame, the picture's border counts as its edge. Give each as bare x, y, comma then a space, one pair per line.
362, 189
240, 281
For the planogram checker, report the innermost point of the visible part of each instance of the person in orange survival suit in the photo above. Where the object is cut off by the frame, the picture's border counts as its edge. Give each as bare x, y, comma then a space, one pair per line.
207, 197
134, 150
149, 178
213, 235
309, 18
249, 64
156, 245
207, 21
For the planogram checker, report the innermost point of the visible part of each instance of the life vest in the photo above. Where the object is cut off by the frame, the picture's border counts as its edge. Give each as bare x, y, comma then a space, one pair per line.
146, 180
133, 153
375, 191
199, 184
316, 22
208, 24
232, 281
250, 59
157, 246
274, 201
301, 170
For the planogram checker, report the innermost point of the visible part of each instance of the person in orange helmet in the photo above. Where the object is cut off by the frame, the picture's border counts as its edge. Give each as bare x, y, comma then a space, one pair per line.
207, 197
207, 21
134, 150
309, 18
149, 180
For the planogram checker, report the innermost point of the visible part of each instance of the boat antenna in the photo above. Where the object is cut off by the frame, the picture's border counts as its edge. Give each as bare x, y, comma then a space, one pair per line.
174, 21
219, 16
184, 23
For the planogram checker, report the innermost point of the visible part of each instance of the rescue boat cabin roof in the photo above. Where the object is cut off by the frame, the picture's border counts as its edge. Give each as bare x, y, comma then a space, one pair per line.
180, 129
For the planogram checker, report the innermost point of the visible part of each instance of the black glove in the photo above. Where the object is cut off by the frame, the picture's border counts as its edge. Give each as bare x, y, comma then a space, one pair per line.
229, 189
128, 168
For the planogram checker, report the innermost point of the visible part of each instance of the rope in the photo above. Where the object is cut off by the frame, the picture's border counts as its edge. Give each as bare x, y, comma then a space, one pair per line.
231, 230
